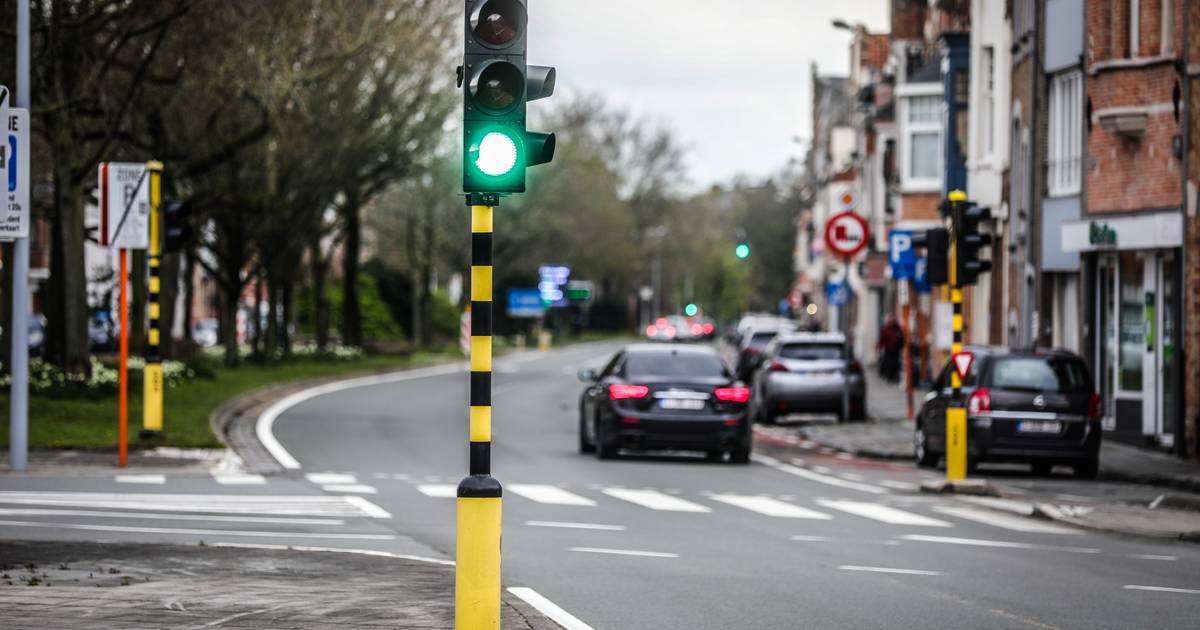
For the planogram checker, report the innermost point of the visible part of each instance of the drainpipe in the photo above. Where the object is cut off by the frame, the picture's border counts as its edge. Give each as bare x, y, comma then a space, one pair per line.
1035, 294
1182, 447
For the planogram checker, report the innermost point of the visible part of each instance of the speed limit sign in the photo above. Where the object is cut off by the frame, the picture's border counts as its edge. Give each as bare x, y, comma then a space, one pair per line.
846, 234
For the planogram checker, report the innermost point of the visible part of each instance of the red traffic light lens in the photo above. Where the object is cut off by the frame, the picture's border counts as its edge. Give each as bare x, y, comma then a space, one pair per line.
497, 87
498, 22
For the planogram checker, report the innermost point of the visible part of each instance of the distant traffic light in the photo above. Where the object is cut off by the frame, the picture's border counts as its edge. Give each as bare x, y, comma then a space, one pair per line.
177, 230
497, 84
690, 310
936, 243
971, 240
742, 250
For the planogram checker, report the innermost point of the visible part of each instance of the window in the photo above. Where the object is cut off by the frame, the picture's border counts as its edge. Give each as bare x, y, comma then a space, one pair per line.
988, 92
1066, 133
1131, 327
923, 133
674, 363
1052, 374
812, 351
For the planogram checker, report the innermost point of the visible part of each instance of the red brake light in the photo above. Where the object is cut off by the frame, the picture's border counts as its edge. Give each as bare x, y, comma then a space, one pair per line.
651, 330
732, 394
980, 401
670, 331
697, 330
776, 366
1094, 408
621, 391
707, 328
856, 367
661, 322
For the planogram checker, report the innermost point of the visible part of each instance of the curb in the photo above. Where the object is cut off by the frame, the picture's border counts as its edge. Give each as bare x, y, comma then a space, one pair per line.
1062, 514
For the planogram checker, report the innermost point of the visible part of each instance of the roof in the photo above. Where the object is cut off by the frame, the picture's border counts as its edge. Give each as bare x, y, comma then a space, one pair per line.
674, 348
813, 337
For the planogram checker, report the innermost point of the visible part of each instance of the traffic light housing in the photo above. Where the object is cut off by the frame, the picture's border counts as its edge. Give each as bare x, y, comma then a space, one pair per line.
176, 227
971, 240
936, 243
497, 83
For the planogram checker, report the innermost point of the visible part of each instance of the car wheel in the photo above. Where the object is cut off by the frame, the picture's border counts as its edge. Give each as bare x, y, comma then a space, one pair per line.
1087, 469
766, 413
584, 445
740, 456
925, 457
603, 450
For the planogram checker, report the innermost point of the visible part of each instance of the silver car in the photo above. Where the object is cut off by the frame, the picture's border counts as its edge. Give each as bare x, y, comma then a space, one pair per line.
807, 373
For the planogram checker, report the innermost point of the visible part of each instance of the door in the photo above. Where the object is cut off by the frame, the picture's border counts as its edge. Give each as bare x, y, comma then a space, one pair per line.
1167, 393
1106, 339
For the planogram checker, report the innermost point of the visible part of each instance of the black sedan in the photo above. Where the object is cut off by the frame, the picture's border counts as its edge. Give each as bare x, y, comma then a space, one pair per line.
652, 396
1034, 407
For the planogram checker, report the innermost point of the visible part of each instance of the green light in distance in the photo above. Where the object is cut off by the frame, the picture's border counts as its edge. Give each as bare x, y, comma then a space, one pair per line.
690, 310
742, 251
497, 154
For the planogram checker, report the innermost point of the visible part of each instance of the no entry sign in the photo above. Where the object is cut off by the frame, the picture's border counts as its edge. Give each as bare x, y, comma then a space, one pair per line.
846, 234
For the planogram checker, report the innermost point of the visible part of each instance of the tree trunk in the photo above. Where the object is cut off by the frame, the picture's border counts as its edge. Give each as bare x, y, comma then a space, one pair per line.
351, 310
189, 293
320, 302
288, 292
427, 276
168, 292
414, 273
66, 337
229, 311
272, 340
256, 316
6, 291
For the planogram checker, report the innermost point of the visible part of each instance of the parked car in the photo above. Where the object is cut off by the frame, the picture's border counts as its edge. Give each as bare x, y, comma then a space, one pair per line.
102, 333
205, 333
37, 334
1035, 407
665, 397
753, 342
807, 373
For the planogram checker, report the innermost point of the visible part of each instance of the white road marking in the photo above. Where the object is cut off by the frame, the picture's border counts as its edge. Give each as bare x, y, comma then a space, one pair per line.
655, 500
367, 508
1162, 589
350, 488
195, 532
548, 494
900, 485
1006, 521
626, 552
263, 427
439, 490
361, 552
287, 505
852, 477
238, 479
883, 513
850, 567
803, 538
1150, 556
567, 525
770, 507
323, 478
171, 517
817, 477
824, 470
148, 479
975, 542
549, 608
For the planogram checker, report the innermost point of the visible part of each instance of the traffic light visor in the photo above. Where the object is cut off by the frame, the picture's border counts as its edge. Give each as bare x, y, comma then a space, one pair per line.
496, 154
495, 23
497, 88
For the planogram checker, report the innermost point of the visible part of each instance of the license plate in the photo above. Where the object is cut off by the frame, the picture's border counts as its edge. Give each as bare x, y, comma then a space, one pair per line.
1039, 426
681, 403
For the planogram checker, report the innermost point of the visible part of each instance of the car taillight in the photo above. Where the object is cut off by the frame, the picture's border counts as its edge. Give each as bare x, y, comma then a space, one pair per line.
661, 322
651, 330
776, 366
1094, 408
856, 367
732, 394
670, 331
621, 391
707, 328
697, 330
980, 401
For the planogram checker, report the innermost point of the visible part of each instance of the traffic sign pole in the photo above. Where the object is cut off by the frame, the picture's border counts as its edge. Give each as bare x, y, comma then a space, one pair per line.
123, 366
18, 437
152, 374
956, 411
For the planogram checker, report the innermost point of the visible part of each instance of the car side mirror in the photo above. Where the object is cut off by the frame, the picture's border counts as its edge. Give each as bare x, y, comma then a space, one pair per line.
587, 375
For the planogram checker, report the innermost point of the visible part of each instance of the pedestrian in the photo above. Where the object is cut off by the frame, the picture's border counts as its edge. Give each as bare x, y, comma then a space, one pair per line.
891, 341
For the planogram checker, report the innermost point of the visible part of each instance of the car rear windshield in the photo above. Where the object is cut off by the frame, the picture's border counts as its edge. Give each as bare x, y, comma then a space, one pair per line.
811, 351
761, 339
1041, 374
689, 364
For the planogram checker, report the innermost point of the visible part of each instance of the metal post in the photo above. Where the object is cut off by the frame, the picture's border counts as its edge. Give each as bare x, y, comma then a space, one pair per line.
844, 324
906, 331
477, 568
18, 436
956, 412
152, 374
123, 364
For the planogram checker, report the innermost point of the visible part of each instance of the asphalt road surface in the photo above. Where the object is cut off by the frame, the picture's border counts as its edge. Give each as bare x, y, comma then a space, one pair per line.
800, 538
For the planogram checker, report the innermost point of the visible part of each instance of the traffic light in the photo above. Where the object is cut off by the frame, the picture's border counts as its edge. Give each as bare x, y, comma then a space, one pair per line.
936, 243
177, 231
742, 250
971, 241
690, 310
497, 83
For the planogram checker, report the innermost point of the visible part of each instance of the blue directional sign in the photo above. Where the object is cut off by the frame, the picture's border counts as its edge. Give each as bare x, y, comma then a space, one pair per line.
901, 256
837, 294
920, 276
525, 303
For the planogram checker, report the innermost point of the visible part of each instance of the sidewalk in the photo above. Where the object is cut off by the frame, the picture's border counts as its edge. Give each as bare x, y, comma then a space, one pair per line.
61, 585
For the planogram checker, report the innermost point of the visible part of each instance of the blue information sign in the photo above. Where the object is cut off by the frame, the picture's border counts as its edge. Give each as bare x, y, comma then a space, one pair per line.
901, 255
837, 294
525, 303
920, 277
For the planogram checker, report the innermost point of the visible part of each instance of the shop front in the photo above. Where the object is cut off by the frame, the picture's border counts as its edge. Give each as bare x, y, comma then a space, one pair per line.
1134, 270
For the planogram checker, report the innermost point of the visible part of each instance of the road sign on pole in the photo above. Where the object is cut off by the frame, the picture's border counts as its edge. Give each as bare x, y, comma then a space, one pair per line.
962, 364
14, 209
124, 205
901, 256
846, 234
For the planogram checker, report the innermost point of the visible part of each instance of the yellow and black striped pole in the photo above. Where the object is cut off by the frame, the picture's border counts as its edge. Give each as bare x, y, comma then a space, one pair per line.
152, 375
477, 569
956, 412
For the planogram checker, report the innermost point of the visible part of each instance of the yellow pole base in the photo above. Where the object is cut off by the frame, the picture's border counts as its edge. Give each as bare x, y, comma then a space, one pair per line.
152, 398
956, 443
477, 568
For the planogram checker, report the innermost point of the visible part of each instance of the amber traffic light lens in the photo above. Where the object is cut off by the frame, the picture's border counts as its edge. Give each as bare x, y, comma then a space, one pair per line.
498, 22
498, 87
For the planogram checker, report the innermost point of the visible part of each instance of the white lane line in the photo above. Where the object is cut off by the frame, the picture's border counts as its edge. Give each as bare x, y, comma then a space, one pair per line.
195, 532
277, 505
770, 507
1006, 521
1162, 589
171, 517
324, 478
852, 477
655, 500
824, 470
263, 427
899, 485
367, 508
568, 525
817, 477
1151, 556
803, 538
883, 513
148, 479
548, 608
439, 490
625, 552
361, 552
850, 567
548, 494
1004, 544
238, 479
350, 488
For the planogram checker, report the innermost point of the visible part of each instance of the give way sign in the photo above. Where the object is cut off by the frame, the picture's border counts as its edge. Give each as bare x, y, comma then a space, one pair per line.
846, 234
962, 364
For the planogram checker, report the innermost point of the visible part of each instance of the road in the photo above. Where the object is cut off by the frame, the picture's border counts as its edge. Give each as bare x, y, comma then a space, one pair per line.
800, 538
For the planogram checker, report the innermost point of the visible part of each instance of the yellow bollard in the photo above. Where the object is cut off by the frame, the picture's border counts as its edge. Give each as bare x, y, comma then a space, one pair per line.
477, 587
956, 443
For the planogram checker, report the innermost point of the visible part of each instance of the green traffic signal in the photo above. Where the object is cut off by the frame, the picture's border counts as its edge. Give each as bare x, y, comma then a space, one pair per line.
690, 310
497, 154
742, 251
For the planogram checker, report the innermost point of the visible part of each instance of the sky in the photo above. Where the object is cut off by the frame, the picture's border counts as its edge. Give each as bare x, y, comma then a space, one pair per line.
730, 77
